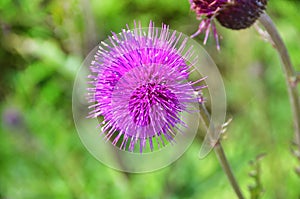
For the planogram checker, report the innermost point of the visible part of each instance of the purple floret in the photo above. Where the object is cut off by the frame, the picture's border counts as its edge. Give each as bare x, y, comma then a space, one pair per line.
139, 84
233, 14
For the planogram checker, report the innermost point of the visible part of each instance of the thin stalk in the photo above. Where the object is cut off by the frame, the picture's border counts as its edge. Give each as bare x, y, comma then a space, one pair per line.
205, 118
297, 78
291, 76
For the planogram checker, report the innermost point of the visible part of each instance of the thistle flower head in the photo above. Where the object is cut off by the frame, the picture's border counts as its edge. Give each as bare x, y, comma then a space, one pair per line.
233, 14
139, 84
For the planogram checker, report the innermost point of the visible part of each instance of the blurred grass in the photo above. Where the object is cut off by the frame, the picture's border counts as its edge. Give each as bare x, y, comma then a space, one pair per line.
43, 44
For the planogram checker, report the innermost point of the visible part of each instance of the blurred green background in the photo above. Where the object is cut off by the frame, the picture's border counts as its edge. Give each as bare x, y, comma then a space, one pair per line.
43, 43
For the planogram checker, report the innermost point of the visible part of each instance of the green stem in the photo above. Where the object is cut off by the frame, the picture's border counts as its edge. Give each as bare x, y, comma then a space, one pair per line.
297, 78
205, 118
289, 72
227, 169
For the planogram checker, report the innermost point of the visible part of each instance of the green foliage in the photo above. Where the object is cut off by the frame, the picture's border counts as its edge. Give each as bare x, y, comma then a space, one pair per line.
42, 44
256, 190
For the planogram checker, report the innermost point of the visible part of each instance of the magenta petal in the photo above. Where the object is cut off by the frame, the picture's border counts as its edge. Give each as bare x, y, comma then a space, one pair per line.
140, 86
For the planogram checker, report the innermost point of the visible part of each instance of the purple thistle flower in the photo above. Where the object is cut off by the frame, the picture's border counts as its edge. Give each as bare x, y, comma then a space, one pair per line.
233, 14
139, 84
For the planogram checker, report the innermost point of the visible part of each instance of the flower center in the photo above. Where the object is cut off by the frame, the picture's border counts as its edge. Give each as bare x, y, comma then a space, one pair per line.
150, 99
